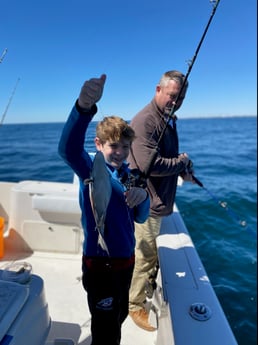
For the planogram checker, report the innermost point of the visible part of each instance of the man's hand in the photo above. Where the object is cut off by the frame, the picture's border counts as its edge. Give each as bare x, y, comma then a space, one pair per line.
183, 157
187, 177
187, 174
91, 92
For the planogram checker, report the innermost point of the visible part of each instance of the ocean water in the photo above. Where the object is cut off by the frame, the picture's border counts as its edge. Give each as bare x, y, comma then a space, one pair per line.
224, 153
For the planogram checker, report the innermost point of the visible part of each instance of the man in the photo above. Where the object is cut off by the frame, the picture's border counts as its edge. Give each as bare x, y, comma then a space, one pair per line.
155, 153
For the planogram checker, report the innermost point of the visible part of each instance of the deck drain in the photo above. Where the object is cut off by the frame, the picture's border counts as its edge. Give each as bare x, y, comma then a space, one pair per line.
200, 311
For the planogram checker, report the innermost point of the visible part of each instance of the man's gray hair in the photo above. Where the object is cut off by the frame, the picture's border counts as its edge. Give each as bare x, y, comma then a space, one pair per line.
173, 75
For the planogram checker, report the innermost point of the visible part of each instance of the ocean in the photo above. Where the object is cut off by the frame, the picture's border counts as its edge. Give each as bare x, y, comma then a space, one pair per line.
221, 216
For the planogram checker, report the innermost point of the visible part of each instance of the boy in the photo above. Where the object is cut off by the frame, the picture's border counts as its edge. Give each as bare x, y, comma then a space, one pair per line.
106, 273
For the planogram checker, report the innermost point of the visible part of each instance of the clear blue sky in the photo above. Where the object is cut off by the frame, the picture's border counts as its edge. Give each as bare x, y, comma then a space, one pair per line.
55, 45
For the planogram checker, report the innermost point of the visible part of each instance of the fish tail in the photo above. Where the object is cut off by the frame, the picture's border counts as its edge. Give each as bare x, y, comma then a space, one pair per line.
102, 243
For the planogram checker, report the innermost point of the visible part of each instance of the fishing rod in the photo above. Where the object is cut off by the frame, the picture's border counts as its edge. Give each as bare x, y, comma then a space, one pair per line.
192, 61
9, 102
3, 55
173, 109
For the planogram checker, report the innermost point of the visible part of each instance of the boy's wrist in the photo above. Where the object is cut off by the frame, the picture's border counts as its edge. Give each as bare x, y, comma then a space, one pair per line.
92, 111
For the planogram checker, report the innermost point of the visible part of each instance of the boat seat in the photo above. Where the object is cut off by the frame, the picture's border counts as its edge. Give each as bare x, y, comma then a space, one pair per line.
49, 211
55, 203
53, 200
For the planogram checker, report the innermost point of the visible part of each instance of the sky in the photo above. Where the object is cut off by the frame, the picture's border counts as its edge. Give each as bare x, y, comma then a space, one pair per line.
53, 46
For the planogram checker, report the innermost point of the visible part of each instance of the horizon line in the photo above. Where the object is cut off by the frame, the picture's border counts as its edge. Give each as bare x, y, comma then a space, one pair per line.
179, 118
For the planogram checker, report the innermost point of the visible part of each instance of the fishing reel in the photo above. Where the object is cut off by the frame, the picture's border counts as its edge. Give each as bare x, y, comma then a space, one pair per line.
133, 179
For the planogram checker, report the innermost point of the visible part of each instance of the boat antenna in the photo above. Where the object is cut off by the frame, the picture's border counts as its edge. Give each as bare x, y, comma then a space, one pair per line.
215, 4
9, 102
3, 55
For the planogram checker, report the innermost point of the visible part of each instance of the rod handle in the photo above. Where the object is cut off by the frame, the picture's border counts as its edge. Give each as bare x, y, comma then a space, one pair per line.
197, 181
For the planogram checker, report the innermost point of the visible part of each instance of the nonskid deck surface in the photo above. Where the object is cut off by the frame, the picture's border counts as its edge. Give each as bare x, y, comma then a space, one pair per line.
67, 300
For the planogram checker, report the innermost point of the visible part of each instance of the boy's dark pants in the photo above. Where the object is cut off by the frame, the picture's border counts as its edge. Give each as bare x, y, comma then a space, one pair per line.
107, 288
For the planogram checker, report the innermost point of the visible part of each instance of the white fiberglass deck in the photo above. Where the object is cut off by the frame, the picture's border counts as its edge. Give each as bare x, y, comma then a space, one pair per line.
67, 301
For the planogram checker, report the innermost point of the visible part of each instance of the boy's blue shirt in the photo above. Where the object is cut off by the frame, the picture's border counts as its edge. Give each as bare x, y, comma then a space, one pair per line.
119, 223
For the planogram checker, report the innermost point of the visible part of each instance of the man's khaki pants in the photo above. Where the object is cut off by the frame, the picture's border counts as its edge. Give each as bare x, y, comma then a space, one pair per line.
145, 260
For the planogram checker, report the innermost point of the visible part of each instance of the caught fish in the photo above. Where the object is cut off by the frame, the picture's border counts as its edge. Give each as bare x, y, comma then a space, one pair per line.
100, 193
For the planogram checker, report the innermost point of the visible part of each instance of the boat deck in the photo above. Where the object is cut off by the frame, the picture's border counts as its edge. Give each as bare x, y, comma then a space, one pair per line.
66, 298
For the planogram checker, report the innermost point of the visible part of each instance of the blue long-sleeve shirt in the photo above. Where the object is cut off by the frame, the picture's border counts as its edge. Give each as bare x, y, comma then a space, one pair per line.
119, 222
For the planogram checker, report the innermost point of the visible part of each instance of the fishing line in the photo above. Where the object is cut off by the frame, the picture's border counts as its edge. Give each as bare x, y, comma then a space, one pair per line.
225, 206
